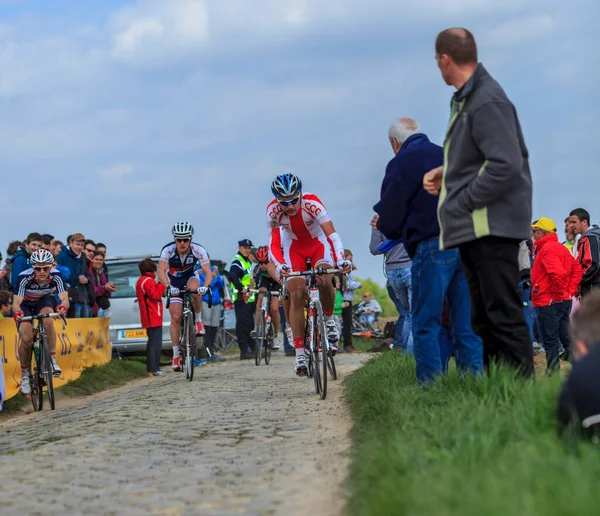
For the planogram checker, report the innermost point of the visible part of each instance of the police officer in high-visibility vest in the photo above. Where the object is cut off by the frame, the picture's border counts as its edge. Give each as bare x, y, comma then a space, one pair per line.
240, 277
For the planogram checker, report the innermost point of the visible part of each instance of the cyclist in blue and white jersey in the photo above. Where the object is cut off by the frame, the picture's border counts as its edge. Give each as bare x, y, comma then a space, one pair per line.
176, 271
33, 297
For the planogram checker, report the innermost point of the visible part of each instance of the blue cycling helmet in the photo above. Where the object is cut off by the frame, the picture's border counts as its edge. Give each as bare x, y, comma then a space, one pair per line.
286, 185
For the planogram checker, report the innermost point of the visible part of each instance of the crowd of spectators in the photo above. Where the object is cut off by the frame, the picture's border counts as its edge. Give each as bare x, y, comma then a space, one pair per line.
80, 263
465, 264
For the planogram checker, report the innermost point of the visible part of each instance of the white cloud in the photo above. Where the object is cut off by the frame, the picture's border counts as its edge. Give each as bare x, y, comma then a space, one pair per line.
518, 31
116, 172
155, 29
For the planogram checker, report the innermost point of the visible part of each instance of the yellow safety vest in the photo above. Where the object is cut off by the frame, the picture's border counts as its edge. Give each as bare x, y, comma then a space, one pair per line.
246, 278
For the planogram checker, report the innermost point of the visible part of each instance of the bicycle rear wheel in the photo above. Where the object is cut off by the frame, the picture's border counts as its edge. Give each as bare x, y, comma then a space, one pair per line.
190, 347
260, 338
47, 371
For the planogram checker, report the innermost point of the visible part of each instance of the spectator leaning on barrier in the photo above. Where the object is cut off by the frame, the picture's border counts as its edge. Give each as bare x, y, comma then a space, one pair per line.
579, 400
211, 316
407, 213
555, 278
89, 248
588, 249
11, 252
149, 294
81, 295
5, 306
20, 262
397, 271
485, 198
103, 288
348, 297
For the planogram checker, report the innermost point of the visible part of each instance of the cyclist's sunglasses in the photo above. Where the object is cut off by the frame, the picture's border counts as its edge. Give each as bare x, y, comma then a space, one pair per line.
42, 269
291, 202
180, 240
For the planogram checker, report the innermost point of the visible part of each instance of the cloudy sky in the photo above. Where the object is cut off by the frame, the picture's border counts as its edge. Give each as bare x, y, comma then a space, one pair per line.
119, 118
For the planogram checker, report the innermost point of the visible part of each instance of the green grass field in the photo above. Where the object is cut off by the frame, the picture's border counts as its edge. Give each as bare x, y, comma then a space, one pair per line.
463, 447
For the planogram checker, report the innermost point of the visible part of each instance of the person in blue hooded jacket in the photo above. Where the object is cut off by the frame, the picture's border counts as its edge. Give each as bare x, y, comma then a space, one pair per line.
20, 262
211, 317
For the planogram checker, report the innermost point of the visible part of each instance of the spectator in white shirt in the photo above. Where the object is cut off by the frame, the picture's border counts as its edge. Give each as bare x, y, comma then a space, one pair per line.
368, 309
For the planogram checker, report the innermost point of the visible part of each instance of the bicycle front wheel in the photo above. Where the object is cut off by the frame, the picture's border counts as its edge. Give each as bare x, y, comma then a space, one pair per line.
190, 347
268, 344
260, 338
316, 357
47, 371
324, 347
37, 394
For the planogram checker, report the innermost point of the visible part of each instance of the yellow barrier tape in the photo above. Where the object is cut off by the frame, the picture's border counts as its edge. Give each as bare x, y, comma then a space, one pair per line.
83, 343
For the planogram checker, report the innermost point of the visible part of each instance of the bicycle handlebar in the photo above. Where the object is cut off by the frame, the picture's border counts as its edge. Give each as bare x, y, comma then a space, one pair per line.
314, 272
38, 317
188, 291
257, 291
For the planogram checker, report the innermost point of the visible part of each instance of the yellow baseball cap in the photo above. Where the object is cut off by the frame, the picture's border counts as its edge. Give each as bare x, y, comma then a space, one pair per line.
545, 224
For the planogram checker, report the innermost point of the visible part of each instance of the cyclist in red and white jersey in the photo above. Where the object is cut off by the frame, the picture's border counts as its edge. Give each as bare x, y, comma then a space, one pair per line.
300, 229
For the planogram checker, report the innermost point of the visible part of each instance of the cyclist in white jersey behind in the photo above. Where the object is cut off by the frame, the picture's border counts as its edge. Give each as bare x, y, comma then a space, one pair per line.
176, 271
300, 230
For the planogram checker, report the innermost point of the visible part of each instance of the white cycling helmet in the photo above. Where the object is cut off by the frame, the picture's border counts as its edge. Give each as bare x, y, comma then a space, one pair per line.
41, 256
183, 229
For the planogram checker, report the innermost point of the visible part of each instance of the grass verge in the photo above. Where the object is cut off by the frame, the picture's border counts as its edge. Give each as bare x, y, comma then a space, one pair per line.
93, 379
462, 446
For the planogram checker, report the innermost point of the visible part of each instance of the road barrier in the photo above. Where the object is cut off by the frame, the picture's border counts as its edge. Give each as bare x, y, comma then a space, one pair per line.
83, 343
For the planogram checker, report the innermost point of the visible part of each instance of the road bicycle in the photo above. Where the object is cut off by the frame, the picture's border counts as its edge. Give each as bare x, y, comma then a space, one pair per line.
264, 332
187, 330
320, 357
42, 374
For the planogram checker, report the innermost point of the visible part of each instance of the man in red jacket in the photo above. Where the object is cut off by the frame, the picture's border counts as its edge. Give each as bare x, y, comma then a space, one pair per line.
149, 294
555, 278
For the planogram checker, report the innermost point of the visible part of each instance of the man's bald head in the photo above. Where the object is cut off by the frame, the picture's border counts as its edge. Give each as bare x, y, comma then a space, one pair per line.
458, 44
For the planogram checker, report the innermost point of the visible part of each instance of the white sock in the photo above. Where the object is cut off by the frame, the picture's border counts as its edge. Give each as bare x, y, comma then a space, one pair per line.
299, 352
199, 317
176, 351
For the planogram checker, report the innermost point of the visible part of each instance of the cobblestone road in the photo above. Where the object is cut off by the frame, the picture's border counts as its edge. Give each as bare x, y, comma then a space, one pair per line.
239, 439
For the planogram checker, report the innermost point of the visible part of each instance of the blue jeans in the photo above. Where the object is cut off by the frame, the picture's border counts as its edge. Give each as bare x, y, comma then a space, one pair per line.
527, 309
554, 321
400, 290
367, 318
436, 274
81, 310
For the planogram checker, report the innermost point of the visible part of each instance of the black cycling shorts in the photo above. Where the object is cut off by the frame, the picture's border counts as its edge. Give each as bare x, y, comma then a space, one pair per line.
35, 307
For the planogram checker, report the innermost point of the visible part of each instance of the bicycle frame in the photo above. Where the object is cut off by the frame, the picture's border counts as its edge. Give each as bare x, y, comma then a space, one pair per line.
187, 333
265, 325
318, 348
42, 375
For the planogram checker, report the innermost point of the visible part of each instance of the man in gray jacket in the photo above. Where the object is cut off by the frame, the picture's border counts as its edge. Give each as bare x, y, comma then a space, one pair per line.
485, 198
397, 272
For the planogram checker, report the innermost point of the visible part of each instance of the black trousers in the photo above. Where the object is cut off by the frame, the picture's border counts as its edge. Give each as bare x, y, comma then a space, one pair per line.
209, 337
492, 271
244, 324
153, 349
554, 322
347, 325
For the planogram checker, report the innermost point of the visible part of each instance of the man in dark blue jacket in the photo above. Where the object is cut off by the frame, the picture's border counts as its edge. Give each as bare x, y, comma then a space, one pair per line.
80, 293
408, 214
